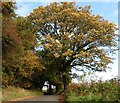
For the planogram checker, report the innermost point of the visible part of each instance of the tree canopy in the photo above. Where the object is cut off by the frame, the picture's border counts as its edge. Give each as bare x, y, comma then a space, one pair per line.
73, 36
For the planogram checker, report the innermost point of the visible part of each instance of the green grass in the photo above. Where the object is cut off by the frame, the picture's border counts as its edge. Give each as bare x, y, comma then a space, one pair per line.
16, 92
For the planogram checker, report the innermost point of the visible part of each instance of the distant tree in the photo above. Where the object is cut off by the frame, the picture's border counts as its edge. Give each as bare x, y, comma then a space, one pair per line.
9, 32
27, 33
74, 37
11, 43
8, 9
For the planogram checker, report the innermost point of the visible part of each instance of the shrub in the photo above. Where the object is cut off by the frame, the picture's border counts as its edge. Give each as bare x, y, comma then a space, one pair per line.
94, 91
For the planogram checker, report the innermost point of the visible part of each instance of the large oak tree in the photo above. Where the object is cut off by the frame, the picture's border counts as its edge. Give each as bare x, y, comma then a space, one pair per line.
72, 36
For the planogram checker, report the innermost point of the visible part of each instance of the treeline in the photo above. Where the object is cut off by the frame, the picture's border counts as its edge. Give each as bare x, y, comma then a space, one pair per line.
21, 65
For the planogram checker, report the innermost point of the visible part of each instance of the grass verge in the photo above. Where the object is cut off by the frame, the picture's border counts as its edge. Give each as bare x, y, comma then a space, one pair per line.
16, 92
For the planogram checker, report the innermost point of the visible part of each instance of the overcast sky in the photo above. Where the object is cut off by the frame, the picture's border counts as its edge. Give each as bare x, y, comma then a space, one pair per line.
109, 10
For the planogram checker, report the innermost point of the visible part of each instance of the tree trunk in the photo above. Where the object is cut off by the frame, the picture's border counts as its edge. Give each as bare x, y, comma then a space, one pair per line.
65, 86
58, 88
50, 89
42, 82
64, 82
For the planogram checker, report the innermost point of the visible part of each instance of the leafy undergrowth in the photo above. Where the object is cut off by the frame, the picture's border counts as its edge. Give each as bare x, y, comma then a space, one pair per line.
94, 91
16, 92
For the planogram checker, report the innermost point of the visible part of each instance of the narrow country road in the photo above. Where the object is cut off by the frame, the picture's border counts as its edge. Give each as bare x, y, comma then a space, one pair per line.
44, 98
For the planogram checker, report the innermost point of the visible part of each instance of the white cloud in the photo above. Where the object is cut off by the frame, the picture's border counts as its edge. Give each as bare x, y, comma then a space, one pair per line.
116, 12
23, 10
116, 32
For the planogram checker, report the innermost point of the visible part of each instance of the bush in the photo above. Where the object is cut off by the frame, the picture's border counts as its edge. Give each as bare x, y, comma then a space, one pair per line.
94, 91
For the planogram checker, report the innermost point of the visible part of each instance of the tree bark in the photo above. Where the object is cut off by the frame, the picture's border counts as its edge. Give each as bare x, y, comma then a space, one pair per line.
50, 88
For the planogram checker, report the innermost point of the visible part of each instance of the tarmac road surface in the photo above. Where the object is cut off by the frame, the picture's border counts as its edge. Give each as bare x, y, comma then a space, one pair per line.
42, 99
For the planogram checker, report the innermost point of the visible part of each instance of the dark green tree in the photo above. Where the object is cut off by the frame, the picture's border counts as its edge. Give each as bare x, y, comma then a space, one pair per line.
20, 62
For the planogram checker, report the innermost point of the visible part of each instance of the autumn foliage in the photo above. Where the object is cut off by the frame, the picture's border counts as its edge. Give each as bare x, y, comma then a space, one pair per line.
51, 41
72, 36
